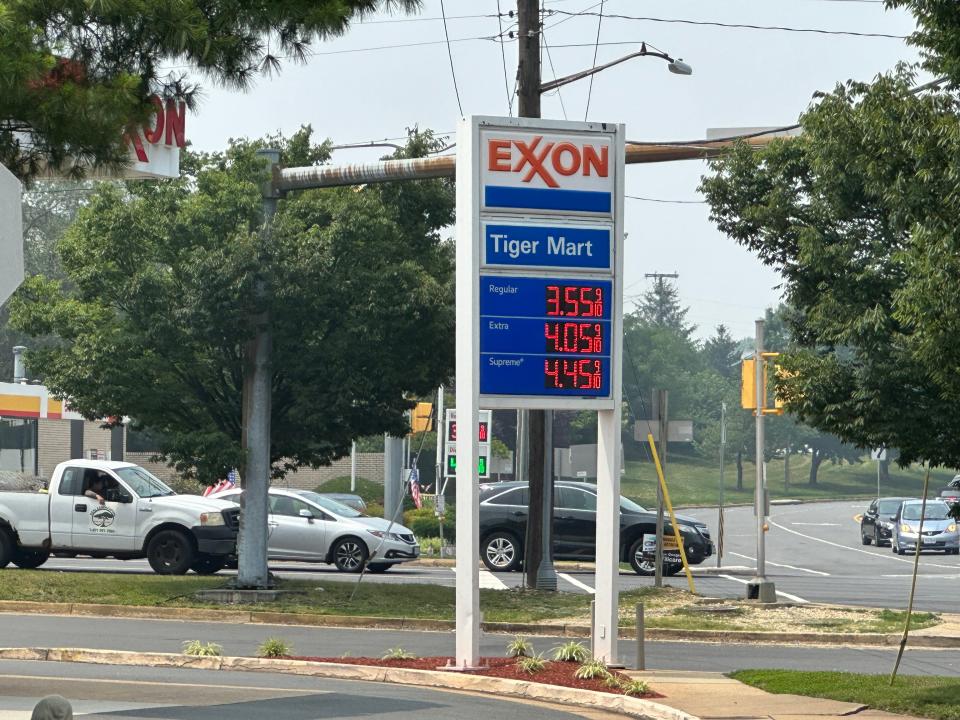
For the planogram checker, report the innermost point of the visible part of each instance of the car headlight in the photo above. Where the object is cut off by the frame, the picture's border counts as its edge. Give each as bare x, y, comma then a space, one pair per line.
905, 529
952, 527
211, 519
384, 534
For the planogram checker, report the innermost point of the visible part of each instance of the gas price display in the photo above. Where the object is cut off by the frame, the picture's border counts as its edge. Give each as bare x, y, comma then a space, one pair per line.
545, 336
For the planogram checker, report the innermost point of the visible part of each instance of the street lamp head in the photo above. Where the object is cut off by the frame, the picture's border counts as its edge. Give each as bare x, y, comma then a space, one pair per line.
679, 67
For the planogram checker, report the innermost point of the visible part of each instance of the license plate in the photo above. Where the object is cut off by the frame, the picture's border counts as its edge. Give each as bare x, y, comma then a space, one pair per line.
929, 541
416, 551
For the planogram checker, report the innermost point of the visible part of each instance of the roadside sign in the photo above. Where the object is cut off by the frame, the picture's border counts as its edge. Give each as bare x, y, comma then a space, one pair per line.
11, 234
878, 454
450, 444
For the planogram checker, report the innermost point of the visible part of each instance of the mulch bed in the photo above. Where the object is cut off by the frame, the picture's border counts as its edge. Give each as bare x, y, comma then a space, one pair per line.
554, 673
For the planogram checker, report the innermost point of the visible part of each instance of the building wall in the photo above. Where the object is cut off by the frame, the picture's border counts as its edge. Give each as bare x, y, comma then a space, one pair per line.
53, 445
96, 438
369, 467
160, 469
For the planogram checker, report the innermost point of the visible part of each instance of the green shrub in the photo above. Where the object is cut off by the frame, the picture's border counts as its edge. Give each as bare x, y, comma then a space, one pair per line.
519, 647
274, 647
634, 687
531, 665
370, 491
425, 523
398, 653
375, 510
195, 647
590, 669
571, 652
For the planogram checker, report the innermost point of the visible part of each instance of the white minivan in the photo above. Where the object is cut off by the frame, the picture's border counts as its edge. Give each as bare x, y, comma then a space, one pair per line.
309, 527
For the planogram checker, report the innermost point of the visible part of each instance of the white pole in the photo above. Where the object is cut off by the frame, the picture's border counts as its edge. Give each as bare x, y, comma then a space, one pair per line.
353, 466
759, 494
441, 427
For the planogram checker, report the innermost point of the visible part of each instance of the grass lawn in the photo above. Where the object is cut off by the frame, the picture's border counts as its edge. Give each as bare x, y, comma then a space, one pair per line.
664, 608
932, 697
693, 481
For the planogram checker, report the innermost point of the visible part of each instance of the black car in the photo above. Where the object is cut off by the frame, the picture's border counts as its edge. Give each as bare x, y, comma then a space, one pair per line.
503, 524
950, 494
876, 525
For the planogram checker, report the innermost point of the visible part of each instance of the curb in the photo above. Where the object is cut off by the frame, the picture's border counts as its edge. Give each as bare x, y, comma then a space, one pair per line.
571, 630
633, 707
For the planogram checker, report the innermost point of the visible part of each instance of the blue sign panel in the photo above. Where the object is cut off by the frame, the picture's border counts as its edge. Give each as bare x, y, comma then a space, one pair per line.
523, 198
540, 297
545, 336
536, 246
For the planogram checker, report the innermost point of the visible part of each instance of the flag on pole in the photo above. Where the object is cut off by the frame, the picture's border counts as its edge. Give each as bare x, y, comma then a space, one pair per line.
415, 488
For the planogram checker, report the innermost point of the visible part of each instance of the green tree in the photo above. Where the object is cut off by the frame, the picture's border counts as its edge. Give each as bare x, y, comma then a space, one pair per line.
722, 354
858, 214
74, 75
660, 306
153, 316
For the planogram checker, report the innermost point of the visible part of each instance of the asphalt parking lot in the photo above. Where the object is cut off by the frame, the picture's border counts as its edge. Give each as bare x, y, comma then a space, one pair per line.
813, 554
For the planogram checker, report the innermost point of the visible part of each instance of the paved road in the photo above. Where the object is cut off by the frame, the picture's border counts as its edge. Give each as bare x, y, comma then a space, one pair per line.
168, 636
813, 554
116, 692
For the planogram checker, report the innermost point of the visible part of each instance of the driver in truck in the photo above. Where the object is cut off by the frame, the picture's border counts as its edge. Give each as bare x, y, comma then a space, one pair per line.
99, 486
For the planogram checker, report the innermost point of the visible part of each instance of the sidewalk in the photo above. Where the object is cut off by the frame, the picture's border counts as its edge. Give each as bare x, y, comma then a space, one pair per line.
713, 695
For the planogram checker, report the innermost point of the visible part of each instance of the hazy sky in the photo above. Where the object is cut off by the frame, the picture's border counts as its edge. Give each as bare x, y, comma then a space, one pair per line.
392, 72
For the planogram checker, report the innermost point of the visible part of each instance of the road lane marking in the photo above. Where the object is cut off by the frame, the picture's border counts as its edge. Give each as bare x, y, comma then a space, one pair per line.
488, 581
817, 524
791, 567
113, 681
853, 549
788, 596
919, 575
576, 583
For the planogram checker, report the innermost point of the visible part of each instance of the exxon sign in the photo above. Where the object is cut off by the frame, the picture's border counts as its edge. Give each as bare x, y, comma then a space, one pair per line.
546, 172
155, 148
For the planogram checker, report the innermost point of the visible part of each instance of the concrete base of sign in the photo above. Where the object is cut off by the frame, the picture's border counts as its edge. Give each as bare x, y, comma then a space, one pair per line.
761, 589
463, 668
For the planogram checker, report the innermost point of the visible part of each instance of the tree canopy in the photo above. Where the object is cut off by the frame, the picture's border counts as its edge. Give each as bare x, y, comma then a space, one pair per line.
154, 312
859, 216
74, 75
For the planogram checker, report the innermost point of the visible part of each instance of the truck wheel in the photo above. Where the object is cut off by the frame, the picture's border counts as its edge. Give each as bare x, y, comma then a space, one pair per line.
170, 553
6, 549
30, 559
208, 564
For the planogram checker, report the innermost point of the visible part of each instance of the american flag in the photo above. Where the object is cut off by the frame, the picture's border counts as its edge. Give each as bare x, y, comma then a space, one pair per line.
415, 488
231, 482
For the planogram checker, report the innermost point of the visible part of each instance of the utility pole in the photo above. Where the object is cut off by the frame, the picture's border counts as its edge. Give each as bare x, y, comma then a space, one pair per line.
760, 588
252, 570
538, 547
723, 445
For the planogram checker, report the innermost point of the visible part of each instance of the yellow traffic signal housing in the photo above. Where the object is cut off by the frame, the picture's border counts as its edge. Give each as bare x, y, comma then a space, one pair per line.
421, 419
748, 384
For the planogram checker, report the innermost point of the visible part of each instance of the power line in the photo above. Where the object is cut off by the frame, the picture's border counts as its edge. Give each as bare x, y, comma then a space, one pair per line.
543, 35
596, 48
664, 200
740, 26
503, 56
450, 55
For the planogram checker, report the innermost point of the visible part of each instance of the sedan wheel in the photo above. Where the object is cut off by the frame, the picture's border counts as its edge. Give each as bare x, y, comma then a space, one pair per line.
500, 552
349, 555
864, 540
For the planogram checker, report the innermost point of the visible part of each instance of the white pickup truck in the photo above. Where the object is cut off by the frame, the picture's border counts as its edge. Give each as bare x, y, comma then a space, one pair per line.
116, 509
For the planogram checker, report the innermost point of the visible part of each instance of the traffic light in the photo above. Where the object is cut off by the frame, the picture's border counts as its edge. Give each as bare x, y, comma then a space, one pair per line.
421, 419
748, 384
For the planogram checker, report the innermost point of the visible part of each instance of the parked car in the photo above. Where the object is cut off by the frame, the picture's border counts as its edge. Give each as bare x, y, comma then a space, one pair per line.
939, 529
876, 525
950, 494
503, 522
309, 527
350, 500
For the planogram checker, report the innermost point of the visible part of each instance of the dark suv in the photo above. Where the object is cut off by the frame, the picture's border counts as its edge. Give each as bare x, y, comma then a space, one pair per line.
876, 525
503, 524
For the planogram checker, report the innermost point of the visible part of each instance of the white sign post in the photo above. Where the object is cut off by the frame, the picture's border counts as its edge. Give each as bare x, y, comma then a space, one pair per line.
11, 234
539, 315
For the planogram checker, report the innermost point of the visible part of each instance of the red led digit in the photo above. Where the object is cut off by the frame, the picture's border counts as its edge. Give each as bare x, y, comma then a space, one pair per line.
553, 300
551, 333
570, 371
597, 375
483, 432
452, 432
571, 297
571, 337
597, 338
585, 293
551, 374
598, 302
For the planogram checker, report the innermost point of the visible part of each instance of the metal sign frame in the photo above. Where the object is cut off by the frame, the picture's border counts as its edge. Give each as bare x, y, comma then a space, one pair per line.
471, 212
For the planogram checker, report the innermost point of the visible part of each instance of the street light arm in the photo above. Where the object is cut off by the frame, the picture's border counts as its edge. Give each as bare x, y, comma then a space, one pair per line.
567, 79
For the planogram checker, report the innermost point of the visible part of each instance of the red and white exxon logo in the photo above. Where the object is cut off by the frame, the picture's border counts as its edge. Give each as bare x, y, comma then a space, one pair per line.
549, 160
167, 129
548, 172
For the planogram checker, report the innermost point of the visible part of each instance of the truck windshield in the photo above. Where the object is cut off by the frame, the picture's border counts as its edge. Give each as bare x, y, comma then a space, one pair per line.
143, 483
